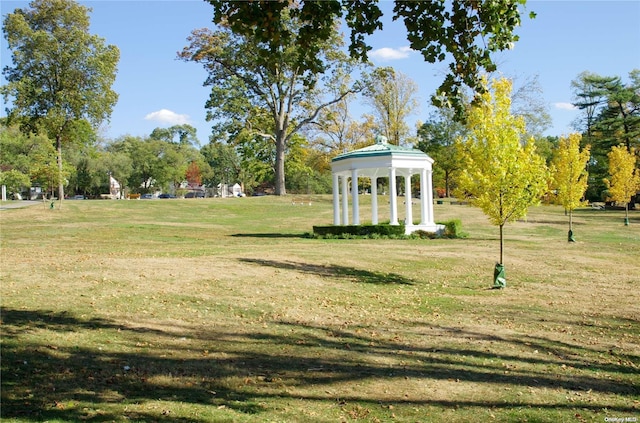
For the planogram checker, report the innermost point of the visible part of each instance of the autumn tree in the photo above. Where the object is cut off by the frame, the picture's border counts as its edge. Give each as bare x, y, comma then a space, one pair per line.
624, 179
499, 174
60, 78
193, 174
463, 32
261, 89
569, 175
392, 96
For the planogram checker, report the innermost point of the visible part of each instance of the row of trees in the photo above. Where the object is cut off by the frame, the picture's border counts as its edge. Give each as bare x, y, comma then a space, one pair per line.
501, 172
281, 88
610, 116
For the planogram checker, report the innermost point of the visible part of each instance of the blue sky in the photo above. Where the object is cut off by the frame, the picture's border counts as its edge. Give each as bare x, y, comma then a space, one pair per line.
156, 90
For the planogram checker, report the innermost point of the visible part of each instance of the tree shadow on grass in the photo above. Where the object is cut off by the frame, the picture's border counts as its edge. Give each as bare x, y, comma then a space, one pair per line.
244, 371
335, 271
270, 235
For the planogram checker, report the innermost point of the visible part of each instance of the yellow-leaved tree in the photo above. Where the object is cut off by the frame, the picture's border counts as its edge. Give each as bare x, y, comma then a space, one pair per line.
499, 174
570, 176
625, 178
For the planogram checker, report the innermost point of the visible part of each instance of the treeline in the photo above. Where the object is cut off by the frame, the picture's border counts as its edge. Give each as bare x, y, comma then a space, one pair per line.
168, 158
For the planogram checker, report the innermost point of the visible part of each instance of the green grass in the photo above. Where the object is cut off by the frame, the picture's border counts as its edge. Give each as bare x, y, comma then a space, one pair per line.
223, 310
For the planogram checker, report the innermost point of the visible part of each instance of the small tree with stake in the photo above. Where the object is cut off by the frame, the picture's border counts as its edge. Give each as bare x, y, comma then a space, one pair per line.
625, 178
500, 175
570, 177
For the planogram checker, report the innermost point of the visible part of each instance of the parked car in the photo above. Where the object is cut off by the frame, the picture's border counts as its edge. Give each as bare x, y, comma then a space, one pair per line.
166, 196
146, 197
194, 194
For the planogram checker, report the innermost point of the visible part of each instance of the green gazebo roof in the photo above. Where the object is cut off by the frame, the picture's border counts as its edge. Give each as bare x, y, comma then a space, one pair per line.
380, 148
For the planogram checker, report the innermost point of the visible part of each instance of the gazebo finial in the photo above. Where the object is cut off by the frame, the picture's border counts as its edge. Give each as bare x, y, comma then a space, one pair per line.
381, 139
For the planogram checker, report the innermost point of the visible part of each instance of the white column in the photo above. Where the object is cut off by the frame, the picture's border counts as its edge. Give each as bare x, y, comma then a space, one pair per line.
393, 196
429, 197
407, 201
345, 201
354, 197
336, 199
374, 200
424, 198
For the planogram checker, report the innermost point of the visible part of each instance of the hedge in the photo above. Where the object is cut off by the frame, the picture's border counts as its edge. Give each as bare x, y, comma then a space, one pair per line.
360, 230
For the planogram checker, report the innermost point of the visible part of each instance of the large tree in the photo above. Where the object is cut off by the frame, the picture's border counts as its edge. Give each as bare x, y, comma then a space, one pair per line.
392, 96
61, 75
262, 90
499, 174
463, 32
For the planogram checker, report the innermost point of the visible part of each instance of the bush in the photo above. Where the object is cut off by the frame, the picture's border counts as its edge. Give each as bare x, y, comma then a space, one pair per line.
453, 229
359, 231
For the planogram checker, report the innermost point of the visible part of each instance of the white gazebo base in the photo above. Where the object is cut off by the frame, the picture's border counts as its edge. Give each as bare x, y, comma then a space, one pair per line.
432, 227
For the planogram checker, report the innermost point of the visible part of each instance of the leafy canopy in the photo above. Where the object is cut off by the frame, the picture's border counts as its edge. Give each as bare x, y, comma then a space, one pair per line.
624, 180
570, 176
60, 73
466, 33
500, 175
261, 90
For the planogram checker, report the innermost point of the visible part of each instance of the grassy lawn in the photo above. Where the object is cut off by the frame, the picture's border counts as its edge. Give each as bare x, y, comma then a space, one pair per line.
222, 310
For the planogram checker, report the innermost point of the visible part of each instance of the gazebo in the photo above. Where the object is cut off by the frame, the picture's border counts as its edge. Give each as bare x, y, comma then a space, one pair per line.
383, 160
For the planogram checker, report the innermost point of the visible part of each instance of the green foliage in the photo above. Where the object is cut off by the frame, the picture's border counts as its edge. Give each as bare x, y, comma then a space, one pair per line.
258, 91
464, 32
23, 152
610, 116
177, 134
348, 231
436, 137
15, 181
60, 78
453, 229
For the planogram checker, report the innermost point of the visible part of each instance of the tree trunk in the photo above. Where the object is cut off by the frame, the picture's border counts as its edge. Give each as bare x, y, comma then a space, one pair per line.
570, 220
626, 214
60, 180
279, 170
501, 245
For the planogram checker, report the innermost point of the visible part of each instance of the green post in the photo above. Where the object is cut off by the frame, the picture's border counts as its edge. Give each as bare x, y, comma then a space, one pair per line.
626, 221
499, 279
52, 205
570, 236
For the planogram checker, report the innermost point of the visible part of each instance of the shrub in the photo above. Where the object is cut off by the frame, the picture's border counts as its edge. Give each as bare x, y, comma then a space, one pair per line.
351, 231
453, 229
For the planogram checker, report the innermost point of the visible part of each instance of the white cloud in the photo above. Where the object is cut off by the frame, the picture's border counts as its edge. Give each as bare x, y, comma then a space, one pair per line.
387, 53
168, 117
565, 106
